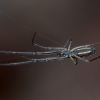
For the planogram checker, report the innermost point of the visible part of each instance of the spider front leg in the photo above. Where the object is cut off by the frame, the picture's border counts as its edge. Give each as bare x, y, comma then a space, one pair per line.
42, 47
46, 48
29, 53
33, 60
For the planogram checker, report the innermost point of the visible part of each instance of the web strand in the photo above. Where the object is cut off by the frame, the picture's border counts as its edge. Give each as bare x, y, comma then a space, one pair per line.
11, 18
16, 21
73, 79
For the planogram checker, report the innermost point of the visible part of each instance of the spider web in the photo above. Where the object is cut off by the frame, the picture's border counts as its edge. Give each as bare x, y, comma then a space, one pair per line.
16, 21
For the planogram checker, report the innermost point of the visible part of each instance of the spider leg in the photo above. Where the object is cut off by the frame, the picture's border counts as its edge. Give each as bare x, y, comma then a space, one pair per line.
29, 53
73, 60
66, 43
17, 63
94, 58
34, 60
46, 48
94, 44
49, 48
80, 58
70, 42
45, 53
42, 47
76, 60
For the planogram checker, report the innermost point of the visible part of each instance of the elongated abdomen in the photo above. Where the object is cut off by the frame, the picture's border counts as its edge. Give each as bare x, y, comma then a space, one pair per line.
84, 52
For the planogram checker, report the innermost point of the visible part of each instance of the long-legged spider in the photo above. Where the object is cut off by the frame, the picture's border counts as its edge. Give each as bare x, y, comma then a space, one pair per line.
62, 53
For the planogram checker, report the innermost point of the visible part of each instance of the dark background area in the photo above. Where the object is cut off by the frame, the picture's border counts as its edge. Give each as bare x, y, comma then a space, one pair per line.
58, 21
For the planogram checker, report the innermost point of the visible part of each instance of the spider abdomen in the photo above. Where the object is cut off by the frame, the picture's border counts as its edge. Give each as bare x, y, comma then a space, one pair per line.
84, 51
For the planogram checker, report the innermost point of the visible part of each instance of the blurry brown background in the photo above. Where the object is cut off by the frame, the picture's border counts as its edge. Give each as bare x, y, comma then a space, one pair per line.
58, 21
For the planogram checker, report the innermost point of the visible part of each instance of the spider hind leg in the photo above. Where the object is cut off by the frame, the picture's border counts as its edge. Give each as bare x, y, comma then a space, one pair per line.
94, 58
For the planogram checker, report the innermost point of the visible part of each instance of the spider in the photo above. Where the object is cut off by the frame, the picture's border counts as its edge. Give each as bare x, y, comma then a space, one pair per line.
62, 53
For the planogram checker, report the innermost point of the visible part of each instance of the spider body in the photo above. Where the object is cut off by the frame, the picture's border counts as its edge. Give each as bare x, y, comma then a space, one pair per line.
62, 53
66, 53
84, 52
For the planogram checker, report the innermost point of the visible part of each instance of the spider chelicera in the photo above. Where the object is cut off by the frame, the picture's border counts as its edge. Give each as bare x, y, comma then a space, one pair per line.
62, 53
